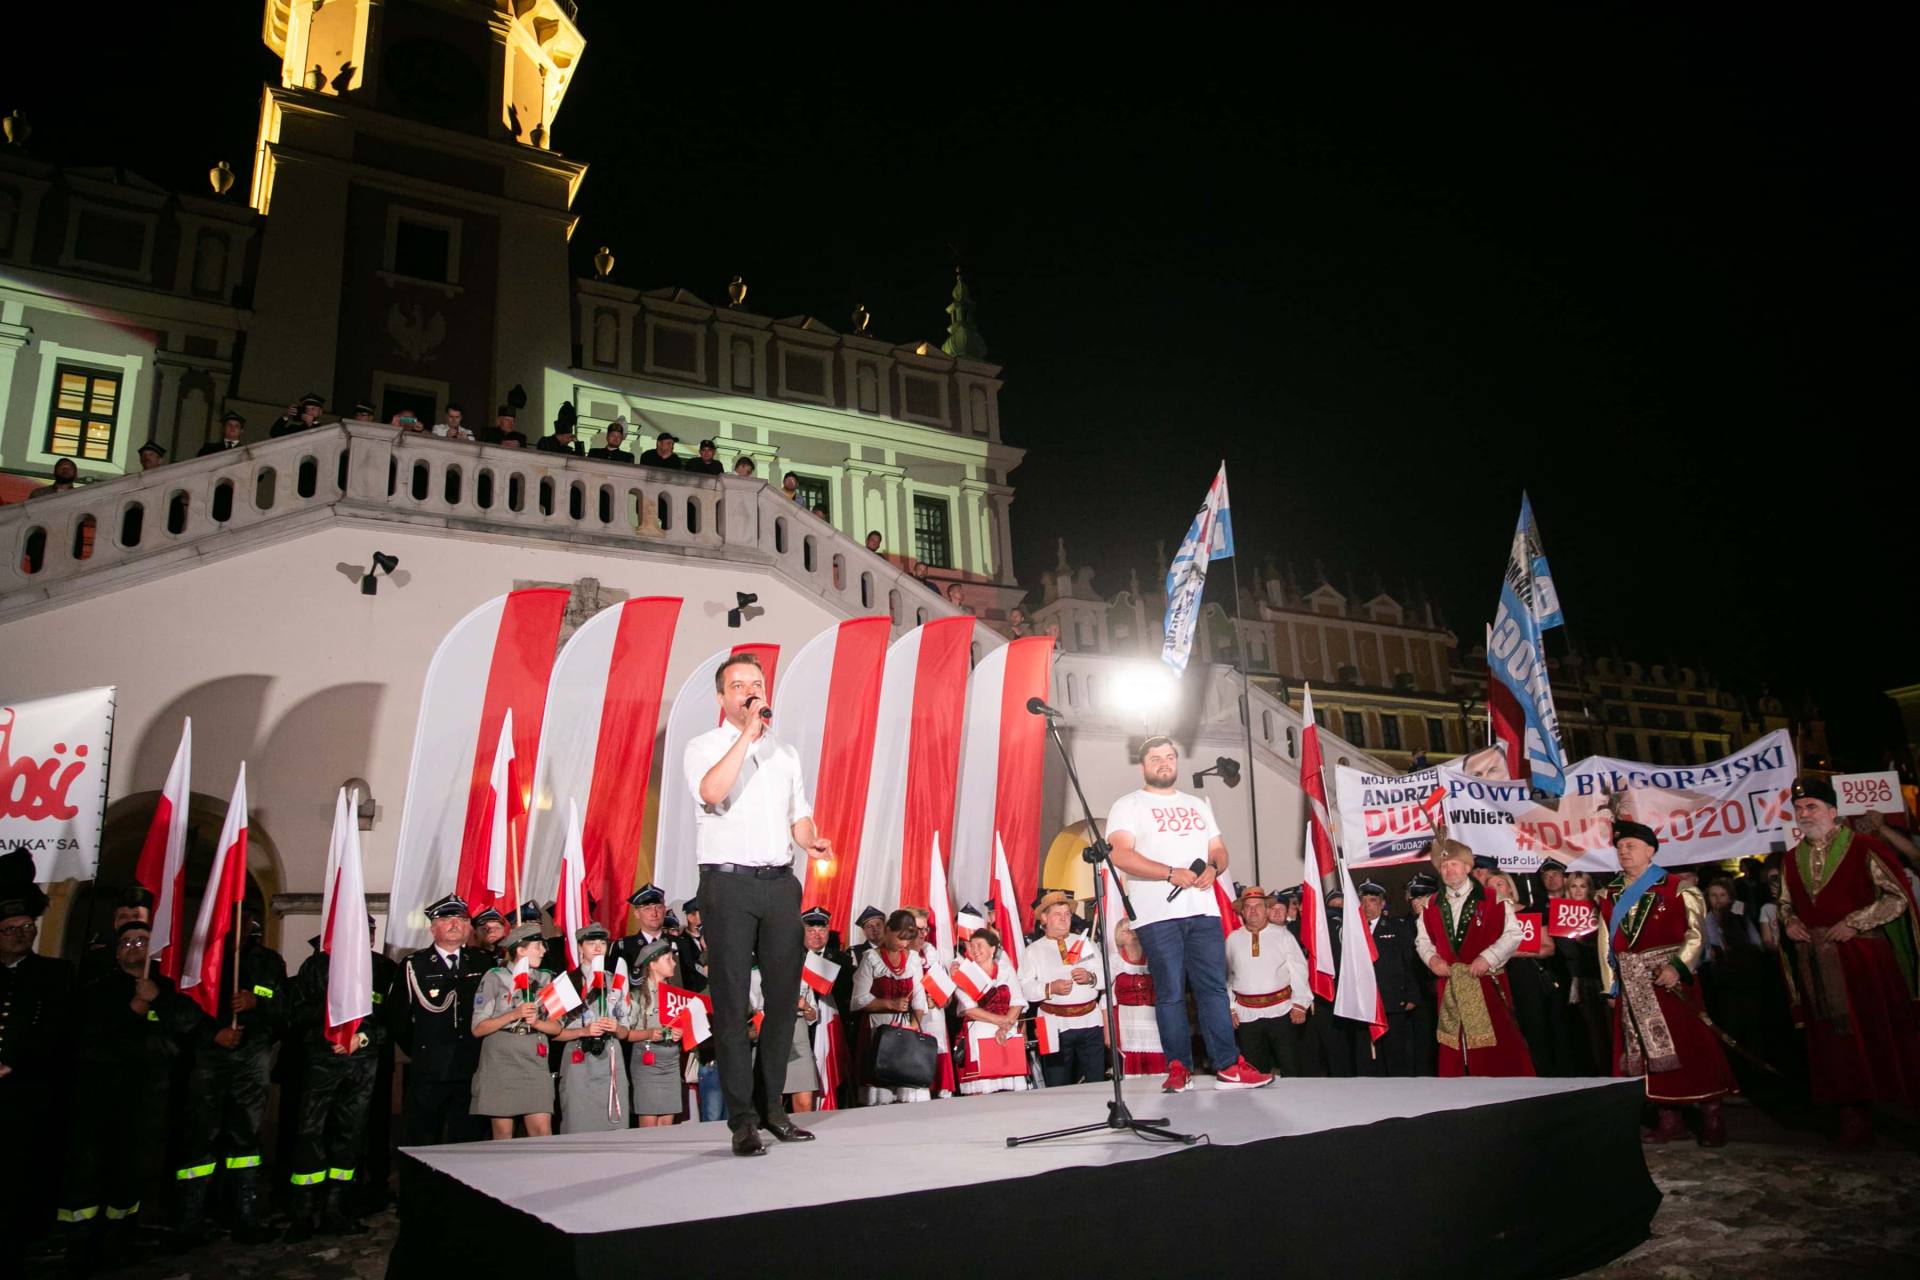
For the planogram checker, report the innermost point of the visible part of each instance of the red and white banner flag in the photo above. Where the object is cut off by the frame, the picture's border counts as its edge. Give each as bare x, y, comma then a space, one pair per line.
496, 658
570, 898
506, 809
162, 869
936, 982
1318, 864
558, 998
819, 972
597, 751
344, 935
54, 754
971, 979
205, 962
1359, 994
914, 785
939, 907
1006, 908
829, 1058
1003, 757
1046, 1034
829, 708
695, 710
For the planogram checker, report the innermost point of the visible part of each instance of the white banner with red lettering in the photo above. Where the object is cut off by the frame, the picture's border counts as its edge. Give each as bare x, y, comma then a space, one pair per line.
53, 780
1387, 818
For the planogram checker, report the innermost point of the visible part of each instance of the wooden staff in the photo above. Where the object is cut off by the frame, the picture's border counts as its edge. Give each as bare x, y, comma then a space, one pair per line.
234, 1002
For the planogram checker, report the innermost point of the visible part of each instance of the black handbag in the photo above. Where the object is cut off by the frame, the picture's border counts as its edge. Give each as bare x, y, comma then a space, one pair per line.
904, 1058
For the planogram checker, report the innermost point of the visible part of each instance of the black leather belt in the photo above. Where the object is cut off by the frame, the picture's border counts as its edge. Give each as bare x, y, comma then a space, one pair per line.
744, 869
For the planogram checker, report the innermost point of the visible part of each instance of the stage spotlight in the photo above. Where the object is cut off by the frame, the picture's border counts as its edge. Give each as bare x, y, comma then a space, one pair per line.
1145, 689
382, 563
1224, 768
744, 608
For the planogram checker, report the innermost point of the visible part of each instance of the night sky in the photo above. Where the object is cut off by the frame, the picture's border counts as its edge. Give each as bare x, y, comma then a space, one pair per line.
1654, 269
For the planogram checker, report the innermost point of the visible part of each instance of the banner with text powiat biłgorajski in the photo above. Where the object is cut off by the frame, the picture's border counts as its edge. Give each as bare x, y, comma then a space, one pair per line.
53, 780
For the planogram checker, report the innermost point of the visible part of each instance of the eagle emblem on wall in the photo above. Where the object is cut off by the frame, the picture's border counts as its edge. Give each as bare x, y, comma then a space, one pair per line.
417, 336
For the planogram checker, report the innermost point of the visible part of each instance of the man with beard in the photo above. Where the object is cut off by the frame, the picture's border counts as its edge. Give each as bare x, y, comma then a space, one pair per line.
1466, 936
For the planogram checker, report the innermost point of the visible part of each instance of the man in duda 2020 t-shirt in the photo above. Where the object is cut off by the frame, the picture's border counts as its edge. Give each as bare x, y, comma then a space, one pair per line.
1158, 834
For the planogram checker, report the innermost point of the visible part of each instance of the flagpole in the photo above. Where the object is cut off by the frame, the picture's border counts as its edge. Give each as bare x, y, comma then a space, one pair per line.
1246, 714
235, 1001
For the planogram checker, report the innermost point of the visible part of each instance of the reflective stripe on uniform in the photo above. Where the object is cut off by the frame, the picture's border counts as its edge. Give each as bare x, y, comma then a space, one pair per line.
265, 993
115, 1215
79, 1215
378, 998
194, 1171
309, 1179
340, 1175
243, 1162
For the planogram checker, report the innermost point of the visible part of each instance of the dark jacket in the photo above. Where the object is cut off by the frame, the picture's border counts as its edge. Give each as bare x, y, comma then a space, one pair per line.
672, 462
307, 1003
263, 973
608, 454
1398, 969
218, 446
553, 444
430, 1012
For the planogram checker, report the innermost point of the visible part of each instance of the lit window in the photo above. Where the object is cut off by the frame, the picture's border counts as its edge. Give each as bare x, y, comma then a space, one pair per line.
85, 404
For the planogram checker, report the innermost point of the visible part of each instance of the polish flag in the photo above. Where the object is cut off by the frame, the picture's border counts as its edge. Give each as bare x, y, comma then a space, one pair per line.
971, 979
344, 936
1313, 907
1047, 1034
964, 924
495, 659
936, 981
1006, 910
913, 789
829, 1057
570, 899
558, 998
819, 972
620, 980
830, 706
695, 710
226, 886
939, 907
595, 973
162, 868
1359, 994
1003, 757
506, 805
694, 1023
522, 973
597, 751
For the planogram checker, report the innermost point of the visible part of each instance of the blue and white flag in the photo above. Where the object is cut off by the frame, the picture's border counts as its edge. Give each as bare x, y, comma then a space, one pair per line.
1529, 607
1209, 538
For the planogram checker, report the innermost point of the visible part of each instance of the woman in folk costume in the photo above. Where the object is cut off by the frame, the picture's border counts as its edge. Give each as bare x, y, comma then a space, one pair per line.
887, 989
1854, 968
934, 1021
658, 1092
1465, 937
514, 1081
995, 1016
593, 1071
1649, 957
1140, 1052
803, 1077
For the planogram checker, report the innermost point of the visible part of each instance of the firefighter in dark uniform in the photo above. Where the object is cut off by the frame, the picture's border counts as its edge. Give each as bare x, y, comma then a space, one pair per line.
431, 1018
1424, 1052
335, 1095
649, 903
489, 931
99, 957
1397, 972
232, 1059
36, 992
124, 1027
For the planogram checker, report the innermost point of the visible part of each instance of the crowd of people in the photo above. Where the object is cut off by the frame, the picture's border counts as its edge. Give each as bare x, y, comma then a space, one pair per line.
133, 1090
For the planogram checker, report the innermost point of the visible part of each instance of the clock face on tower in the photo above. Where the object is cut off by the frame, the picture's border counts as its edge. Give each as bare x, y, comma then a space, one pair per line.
436, 82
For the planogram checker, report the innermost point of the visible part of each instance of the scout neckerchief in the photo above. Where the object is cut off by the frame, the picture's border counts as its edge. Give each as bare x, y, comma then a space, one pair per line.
1816, 877
1629, 899
1457, 929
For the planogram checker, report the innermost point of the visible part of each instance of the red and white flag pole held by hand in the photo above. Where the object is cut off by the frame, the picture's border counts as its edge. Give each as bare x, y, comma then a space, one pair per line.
162, 868
344, 933
219, 907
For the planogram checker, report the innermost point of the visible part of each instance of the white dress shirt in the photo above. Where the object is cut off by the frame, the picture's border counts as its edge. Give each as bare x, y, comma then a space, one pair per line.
753, 826
1280, 964
1498, 952
1041, 966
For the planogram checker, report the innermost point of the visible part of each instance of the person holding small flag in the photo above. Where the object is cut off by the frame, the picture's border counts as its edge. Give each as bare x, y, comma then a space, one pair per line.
990, 1005
658, 1092
513, 1080
803, 1077
594, 1093
1060, 978
829, 971
1267, 982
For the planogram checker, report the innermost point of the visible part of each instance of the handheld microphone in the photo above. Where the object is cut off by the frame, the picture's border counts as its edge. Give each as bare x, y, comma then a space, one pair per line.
766, 712
1035, 707
1199, 866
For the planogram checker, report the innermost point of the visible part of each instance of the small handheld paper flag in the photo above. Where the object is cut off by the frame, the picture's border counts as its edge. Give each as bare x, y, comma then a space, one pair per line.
938, 983
819, 973
972, 979
558, 998
1047, 1033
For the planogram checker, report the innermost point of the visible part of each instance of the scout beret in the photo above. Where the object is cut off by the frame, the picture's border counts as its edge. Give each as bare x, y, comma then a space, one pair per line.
588, 932
648, 954
521, 934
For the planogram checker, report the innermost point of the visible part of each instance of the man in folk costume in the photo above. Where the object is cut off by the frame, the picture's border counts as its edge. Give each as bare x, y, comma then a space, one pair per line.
1466, 936
1060, 977
1267, 985
1649, 954
1852, 974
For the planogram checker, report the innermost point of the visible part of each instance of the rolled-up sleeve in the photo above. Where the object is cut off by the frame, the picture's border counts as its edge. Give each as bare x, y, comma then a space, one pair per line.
798, 806
701, 756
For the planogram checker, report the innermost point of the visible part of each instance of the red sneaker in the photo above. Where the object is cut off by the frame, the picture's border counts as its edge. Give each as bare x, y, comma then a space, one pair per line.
1178, 1081
1241, 1075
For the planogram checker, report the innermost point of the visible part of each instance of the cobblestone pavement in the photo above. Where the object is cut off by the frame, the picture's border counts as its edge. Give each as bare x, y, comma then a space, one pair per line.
1777, 1201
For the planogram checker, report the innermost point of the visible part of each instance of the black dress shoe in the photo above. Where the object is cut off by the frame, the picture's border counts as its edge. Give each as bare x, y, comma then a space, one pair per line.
746, 1142
788, 1131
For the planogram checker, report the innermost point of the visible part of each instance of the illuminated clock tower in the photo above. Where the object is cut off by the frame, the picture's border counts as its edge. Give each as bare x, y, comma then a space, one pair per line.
417, 217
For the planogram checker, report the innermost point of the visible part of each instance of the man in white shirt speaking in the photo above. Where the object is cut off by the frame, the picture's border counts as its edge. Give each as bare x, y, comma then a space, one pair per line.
752, 811
1159, 835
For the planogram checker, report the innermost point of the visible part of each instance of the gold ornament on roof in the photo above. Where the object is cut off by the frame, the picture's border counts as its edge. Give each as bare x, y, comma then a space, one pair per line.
736, 292
17, 129
603, 262
220, 177
862, 318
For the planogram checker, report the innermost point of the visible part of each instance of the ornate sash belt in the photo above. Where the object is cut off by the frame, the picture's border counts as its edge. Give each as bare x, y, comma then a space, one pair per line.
1646, 1040
1266, 1001
1463, 1012
1824, 983
1068, 1010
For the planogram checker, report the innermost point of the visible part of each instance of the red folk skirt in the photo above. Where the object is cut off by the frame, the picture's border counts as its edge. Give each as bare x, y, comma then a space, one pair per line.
1703, 1074
1508, 1056
1876, 1056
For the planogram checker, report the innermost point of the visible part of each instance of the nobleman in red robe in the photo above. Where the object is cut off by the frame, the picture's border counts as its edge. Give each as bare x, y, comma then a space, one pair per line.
1466, 936
1649, 955
1852, 973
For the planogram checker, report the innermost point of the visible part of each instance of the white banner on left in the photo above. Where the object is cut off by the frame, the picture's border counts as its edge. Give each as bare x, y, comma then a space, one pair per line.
53, 780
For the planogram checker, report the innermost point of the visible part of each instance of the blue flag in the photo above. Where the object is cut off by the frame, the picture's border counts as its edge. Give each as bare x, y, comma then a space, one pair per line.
1209, 537
1529, 607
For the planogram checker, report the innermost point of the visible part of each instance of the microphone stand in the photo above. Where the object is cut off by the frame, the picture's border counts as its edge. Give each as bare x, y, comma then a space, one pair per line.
1119, 1118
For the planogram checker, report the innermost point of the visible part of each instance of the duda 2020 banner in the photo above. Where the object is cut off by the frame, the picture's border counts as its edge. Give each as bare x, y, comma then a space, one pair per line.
53, 780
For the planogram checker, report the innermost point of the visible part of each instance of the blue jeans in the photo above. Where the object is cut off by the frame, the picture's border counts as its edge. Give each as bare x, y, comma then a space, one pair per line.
1082, 1059
1190, 950
713, 1102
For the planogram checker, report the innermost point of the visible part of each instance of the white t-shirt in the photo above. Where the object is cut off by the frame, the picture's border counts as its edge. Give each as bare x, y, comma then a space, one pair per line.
1175, 829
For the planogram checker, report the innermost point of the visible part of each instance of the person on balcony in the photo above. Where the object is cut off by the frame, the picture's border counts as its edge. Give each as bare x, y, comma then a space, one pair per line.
662, 454
614, 450
232, 427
